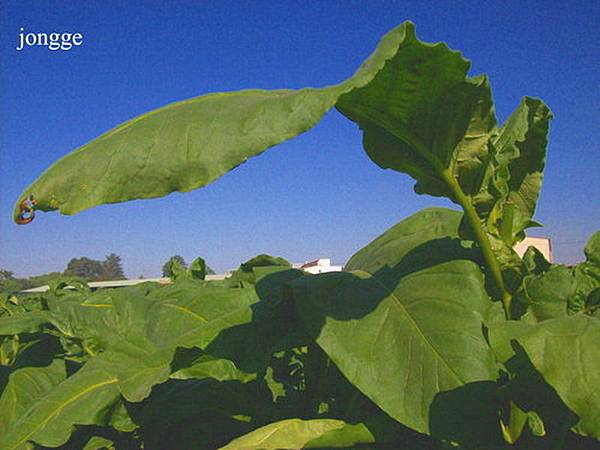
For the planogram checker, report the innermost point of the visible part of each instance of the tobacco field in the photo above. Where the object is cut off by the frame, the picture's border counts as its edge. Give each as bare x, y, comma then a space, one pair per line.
437, 335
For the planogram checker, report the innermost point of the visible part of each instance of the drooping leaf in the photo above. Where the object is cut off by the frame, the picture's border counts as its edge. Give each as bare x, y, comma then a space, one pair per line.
566, 353
263, 261
397, 327
188, 144
250, 272
423, 116
176, 269
120, 419
137, 369
298, 433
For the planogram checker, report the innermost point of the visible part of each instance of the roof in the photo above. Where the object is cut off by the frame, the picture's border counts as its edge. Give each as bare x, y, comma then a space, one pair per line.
120, 283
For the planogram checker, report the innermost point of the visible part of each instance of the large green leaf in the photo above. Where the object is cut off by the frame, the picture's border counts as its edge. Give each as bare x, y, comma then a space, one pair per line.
82, 399
298, 433
395, 333
25, 387
566, 353
502, 333
188, 144
26, 322
433, 230
423, 116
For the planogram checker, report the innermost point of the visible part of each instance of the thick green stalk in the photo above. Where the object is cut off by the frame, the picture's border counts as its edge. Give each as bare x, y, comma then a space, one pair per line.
468, 208
481, 238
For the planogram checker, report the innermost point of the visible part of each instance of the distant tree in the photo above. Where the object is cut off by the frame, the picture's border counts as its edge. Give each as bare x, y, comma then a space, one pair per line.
111, 268
9, 284
166, 268
209, 271
6, 275
86, 268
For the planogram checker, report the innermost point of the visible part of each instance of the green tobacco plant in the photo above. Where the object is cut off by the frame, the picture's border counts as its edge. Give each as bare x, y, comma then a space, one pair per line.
437, 335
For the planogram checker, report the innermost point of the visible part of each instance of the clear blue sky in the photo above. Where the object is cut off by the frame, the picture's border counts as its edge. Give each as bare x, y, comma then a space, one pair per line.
317, 195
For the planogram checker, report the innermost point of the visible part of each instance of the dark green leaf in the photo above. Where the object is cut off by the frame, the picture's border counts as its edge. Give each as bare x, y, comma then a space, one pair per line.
394, 333
566, 353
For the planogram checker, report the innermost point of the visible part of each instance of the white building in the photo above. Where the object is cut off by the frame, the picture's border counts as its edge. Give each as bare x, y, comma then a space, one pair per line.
320, 265
541, 243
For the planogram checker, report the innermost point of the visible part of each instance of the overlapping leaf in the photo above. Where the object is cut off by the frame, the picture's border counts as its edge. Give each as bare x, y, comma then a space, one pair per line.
565, 352
132, 335
394, 333
555, 290
423, 116
84, 398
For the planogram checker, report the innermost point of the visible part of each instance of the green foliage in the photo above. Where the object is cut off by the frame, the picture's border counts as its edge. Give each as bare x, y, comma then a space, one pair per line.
436, 336
417, 340
9, 284
297, 433
174, 264
84, 267
111, 268
176, 268
90, 269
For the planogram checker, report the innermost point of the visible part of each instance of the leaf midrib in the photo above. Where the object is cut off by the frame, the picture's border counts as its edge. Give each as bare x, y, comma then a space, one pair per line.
396, 301
59, 409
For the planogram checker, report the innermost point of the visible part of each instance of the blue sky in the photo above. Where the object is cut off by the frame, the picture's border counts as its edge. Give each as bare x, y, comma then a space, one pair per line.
317, 195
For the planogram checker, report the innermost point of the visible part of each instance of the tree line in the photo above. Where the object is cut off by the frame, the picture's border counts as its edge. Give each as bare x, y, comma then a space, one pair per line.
84, 268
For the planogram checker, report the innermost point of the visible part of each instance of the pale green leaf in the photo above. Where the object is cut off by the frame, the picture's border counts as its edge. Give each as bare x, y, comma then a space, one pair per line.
298, 433
25, 387
209, 367
188, 144
82, 399
99, 443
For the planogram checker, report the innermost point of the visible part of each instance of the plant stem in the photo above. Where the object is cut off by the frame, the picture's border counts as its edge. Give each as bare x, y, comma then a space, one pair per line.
481, 237
468, 208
